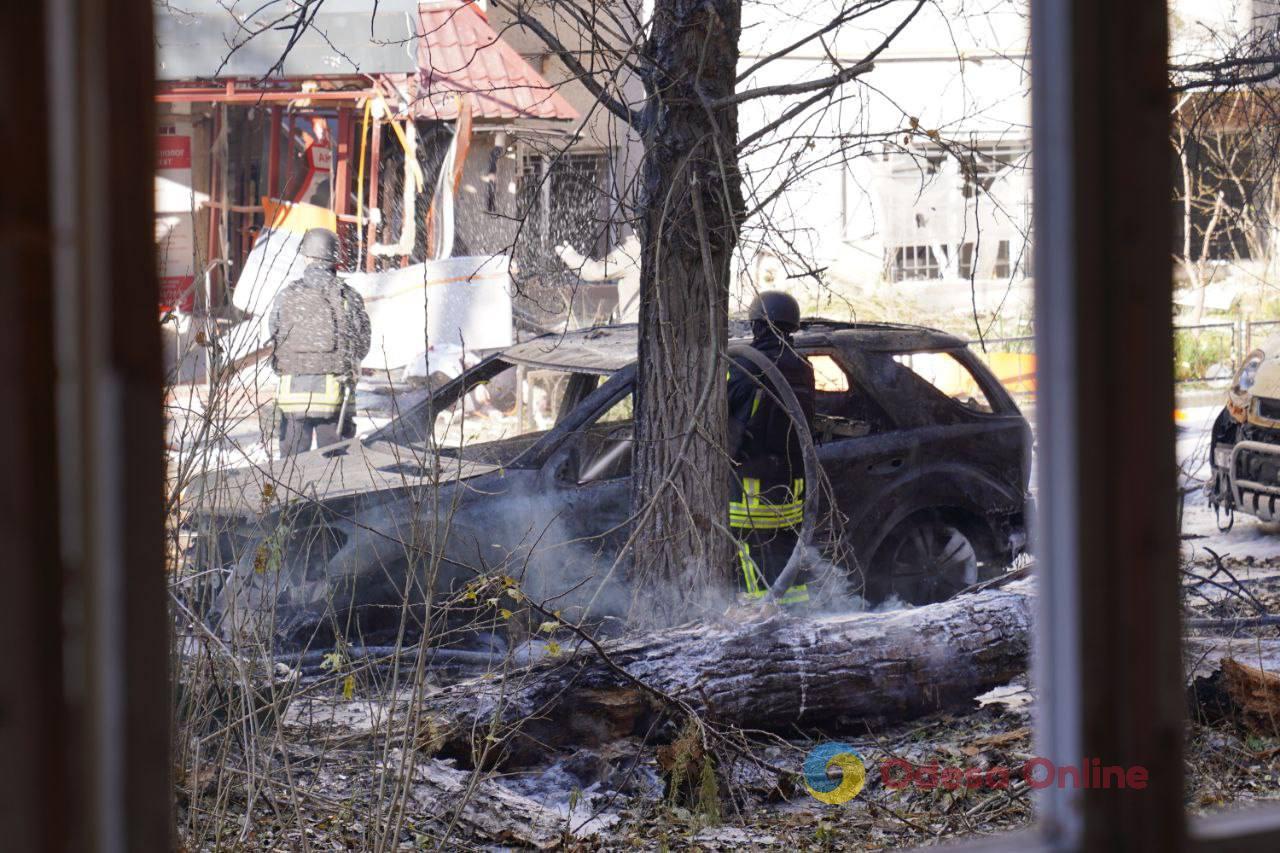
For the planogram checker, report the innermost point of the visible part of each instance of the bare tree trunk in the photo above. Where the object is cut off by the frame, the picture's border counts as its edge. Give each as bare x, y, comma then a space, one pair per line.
690, 204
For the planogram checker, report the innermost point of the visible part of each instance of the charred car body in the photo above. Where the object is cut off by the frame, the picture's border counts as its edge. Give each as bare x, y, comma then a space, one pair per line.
1244, 450
927, 457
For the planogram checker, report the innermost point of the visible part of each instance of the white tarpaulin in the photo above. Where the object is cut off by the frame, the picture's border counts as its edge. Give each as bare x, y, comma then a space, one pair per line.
273, 263
467, 305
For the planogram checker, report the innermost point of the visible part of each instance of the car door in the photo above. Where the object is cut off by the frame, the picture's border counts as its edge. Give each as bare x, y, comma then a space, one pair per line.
595, 475
864, 452
585, 483
956, 445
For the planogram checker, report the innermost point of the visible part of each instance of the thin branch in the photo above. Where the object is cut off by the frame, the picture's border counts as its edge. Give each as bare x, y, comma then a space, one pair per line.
825, 84
813, 99
585, 77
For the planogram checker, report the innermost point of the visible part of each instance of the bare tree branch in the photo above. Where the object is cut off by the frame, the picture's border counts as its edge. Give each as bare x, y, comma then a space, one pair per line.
612, 104
825, 84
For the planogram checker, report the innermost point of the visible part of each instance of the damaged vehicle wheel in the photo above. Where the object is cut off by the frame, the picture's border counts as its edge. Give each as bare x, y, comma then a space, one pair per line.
925, 559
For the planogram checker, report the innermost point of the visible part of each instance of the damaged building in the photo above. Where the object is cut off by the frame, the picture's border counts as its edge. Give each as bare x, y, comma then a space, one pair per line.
416, 131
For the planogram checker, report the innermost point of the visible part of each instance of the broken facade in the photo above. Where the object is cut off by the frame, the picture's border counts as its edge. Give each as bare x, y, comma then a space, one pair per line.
434, 138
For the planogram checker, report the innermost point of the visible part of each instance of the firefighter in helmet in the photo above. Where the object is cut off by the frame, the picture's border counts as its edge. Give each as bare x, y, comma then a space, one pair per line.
321, 334
767, 503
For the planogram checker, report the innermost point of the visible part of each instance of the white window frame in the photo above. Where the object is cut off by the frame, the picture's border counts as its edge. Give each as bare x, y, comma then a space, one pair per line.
906, 262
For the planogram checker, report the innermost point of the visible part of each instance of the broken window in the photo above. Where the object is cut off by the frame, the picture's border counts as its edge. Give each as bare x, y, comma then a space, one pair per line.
828, 377
604, 447
494, 411
1220, 191
842, 410
914, 263
562, 200
966, 260
1002, 260
982, 163
949, 376
622, 411
1000, 269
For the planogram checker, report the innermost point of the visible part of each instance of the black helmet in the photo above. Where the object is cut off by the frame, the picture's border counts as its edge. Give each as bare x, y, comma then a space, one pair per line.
320, 244
780, 310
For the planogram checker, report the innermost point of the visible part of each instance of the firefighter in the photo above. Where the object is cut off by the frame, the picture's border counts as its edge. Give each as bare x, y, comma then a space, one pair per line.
767, 504
320, 332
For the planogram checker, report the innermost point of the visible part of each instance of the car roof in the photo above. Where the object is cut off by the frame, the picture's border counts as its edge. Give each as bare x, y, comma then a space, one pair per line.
603, 349
606, 349
877, 337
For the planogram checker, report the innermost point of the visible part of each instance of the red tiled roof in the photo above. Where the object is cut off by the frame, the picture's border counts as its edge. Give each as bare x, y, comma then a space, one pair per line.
459, 52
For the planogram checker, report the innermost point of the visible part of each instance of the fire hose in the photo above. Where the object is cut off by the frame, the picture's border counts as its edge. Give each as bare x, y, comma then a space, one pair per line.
812, 469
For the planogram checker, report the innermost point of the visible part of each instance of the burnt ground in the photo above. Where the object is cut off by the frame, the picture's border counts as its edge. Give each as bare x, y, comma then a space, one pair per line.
326, 774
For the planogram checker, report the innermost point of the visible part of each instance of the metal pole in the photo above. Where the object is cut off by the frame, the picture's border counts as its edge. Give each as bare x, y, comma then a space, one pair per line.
520, 377
342, 164
273, 155
375, 153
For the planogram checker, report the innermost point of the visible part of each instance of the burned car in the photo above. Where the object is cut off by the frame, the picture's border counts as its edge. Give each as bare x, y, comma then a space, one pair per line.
1244, 449
927, 456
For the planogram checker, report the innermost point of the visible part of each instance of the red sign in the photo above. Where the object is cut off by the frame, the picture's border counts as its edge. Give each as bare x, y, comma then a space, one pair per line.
173, 152
175, 292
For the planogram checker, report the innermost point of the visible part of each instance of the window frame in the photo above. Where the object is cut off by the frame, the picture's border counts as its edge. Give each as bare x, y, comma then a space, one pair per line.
1102, 138
857, 382
1002, 268
996, 406
549, 172
931, 266
1107, 645
559, 442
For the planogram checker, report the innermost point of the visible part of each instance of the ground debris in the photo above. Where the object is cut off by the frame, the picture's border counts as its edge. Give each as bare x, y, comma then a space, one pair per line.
611, 797
1256, 692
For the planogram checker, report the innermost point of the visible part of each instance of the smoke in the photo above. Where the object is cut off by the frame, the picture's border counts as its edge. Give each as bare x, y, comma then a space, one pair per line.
834, 589
566, 558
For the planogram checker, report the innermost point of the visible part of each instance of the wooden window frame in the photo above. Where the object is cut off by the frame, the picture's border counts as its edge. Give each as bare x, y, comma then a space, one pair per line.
1108, 645
85, 707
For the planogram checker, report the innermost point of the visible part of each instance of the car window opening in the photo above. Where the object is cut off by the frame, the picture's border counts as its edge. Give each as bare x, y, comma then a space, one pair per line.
495, 417
843, 410
949, 376
602, 450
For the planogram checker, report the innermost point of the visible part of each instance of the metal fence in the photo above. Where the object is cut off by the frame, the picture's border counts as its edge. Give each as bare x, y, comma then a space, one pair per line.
1208, 352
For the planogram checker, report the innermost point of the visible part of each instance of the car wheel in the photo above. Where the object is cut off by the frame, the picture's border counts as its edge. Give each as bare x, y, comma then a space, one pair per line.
925, 559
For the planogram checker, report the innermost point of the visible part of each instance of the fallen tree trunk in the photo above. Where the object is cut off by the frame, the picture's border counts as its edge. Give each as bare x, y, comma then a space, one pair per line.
1204, 654
831, 672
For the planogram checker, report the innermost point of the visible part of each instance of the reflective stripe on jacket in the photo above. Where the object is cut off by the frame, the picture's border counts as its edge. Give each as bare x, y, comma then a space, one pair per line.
753, 512
310, 395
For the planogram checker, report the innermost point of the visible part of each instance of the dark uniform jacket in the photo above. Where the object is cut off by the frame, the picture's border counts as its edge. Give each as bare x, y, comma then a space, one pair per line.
319, 325
762, 438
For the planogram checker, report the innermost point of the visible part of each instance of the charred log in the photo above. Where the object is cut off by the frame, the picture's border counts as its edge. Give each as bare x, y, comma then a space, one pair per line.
832, 673
1234, 680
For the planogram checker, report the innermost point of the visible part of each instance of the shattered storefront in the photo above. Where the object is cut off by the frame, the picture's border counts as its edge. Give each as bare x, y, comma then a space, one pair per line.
427, 142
